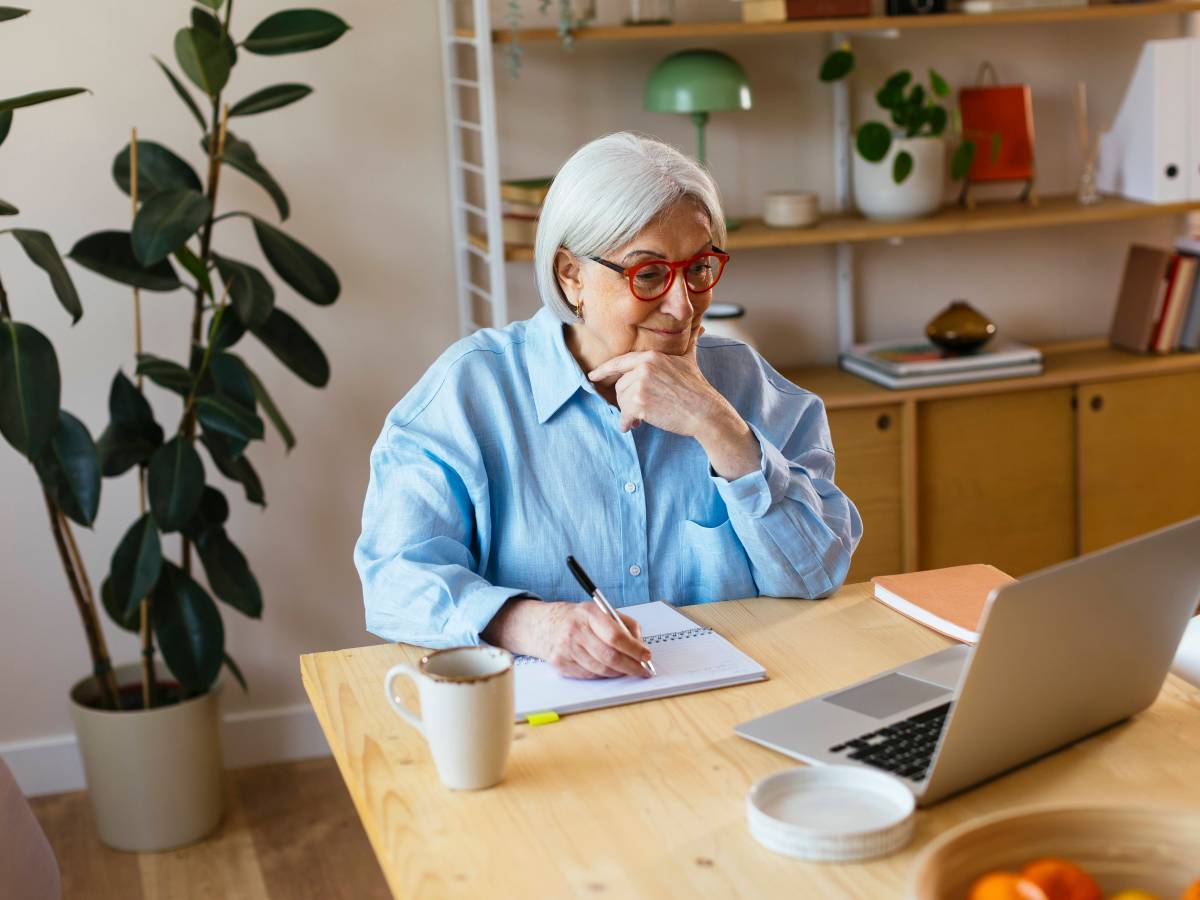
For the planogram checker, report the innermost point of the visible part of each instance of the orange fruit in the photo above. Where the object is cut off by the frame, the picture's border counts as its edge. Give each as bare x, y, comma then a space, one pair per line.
1192, 892
1060, 879
1005, 886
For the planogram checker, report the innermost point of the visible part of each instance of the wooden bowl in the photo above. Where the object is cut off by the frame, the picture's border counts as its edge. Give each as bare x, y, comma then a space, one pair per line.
1156, 850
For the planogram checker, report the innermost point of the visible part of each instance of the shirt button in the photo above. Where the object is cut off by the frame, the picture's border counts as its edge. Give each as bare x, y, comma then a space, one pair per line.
635, 571
630, 487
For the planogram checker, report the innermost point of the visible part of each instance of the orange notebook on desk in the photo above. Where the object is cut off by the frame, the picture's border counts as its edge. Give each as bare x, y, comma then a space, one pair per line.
950, 601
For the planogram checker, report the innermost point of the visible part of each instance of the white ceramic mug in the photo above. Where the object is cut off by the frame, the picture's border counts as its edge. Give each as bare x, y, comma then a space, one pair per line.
467, 712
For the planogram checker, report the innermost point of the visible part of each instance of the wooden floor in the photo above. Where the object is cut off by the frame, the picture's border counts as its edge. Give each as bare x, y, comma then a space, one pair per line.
290, 832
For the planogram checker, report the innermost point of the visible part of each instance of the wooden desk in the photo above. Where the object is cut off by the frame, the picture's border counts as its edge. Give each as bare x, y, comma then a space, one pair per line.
649, 800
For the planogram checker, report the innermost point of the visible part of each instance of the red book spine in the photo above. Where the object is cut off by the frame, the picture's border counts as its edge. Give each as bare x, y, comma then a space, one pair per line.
1156, 334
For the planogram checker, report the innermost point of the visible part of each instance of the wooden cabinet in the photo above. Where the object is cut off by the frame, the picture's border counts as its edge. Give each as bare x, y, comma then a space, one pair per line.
1139, 456
996, 480
866, 442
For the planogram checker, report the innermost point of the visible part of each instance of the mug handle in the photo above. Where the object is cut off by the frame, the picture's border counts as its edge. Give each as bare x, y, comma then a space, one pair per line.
405, 713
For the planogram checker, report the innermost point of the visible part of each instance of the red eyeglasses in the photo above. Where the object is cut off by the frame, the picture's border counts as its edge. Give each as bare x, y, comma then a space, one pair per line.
651, 279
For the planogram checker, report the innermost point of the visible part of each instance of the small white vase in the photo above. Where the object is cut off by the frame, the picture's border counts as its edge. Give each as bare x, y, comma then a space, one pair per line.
876, 193
153, 776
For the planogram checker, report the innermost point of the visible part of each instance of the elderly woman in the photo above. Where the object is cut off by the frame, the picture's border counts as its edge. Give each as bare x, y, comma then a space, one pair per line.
674, 467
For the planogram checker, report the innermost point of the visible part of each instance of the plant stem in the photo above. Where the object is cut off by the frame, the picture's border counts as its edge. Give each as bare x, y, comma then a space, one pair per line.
102, 670
5, 312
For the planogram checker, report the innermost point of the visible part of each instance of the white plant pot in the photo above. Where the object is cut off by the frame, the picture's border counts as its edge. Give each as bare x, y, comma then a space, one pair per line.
876, 193
153, 776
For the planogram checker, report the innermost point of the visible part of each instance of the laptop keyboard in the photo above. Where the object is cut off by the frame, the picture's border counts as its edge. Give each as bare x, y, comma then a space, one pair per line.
905, 748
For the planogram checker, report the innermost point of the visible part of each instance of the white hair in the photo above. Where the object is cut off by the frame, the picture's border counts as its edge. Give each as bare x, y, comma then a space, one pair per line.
605, 194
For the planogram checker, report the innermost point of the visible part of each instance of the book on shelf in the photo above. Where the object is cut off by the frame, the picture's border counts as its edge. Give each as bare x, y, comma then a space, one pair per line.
1141, 297
961, 376
1179, 294
521, 209
790, 10
951, 601
922, 357
995, 6
1189, 331
519, 229
531, 191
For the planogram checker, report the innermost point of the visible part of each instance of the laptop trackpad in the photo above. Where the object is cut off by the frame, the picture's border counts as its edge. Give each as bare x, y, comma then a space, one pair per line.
887, 696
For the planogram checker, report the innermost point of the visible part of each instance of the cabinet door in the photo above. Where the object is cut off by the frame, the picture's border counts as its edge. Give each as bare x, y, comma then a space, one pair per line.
1139, 456
996, 480
866, 443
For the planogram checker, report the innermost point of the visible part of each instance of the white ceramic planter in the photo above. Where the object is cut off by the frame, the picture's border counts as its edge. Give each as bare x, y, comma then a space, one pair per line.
877, 195
154, 776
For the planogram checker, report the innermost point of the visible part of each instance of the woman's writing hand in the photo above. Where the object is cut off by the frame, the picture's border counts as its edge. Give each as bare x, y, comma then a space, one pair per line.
578, 639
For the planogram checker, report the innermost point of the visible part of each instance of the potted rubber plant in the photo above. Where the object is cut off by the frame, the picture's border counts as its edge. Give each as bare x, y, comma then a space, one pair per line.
149, 738
899, 166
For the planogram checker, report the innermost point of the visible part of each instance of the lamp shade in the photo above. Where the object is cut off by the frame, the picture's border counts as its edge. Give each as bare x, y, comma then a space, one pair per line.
697, 81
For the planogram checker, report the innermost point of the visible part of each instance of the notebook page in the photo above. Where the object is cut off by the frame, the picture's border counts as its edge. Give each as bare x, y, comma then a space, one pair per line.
686, 656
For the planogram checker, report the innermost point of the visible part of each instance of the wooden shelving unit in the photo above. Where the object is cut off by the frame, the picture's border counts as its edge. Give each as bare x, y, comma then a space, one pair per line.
995, 216
692, 30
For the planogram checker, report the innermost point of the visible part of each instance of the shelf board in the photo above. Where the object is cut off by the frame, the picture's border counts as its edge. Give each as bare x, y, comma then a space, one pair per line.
1008, 215
1065, 363
703, 30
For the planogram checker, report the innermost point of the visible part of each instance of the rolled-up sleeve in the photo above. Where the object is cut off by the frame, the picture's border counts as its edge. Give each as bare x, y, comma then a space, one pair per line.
425, 528
798, 528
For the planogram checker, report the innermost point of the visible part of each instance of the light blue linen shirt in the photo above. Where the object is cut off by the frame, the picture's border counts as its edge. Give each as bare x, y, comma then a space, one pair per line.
504, 459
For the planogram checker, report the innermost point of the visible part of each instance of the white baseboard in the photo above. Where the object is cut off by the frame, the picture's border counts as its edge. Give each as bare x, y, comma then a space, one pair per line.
52, 765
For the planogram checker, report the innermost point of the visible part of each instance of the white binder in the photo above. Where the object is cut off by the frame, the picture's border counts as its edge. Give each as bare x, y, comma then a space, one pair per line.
1192, 98
1146, 154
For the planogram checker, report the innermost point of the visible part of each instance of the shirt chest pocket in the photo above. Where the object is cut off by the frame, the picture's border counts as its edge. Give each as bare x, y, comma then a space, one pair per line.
712, 564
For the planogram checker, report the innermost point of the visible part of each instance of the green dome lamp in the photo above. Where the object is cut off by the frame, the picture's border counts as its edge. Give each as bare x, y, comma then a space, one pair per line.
698, 82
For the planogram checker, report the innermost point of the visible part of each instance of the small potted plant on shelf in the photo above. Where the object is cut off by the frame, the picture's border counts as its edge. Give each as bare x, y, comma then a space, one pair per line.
572, 15
150, 741
898, 169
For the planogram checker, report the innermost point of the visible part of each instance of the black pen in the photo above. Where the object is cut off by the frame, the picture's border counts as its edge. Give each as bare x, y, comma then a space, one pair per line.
594, 592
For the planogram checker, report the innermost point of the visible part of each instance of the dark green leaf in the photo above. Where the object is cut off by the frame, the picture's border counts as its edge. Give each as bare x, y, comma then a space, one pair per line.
211, 4
165, 222
891, 98
940, 88
165, 373
264, 399
11, 12
899, 79
873, 141
207, 22
40, 248
110, 254
241, 156
136, 565
214, 508
5, 124
230, 377
237, 673
293, 31
191, 262
228, 331
235, 468
253, 296
175, 482
182, 91
218, 413
937, 120
269, 98
158, 170
964, 155
39, 97
189, 629
29, 387
116, 612
294, 347
132, 435
902, 166
7, 209
837, 65
306, 272
204, 59
69, 468
228, 572
916, 97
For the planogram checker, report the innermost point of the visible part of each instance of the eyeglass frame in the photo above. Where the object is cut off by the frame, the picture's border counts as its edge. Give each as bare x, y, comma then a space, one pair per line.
672, 265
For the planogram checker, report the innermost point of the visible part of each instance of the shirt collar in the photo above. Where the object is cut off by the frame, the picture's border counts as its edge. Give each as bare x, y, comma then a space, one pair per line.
554, 375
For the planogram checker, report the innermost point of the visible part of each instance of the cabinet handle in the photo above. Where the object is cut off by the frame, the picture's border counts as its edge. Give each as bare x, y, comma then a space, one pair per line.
1097, 403
884, 422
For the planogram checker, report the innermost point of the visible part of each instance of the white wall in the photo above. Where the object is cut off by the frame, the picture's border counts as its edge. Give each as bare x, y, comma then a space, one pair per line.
363, 160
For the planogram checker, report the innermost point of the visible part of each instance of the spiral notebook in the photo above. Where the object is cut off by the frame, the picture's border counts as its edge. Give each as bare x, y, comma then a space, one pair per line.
688, 658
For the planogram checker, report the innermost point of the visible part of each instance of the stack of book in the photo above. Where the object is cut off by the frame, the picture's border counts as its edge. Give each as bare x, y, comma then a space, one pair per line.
522, 205
1158, 308
995, 6
918, 363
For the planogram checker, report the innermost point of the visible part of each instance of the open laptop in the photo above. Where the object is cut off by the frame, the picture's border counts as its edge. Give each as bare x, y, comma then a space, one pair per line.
1062, 653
